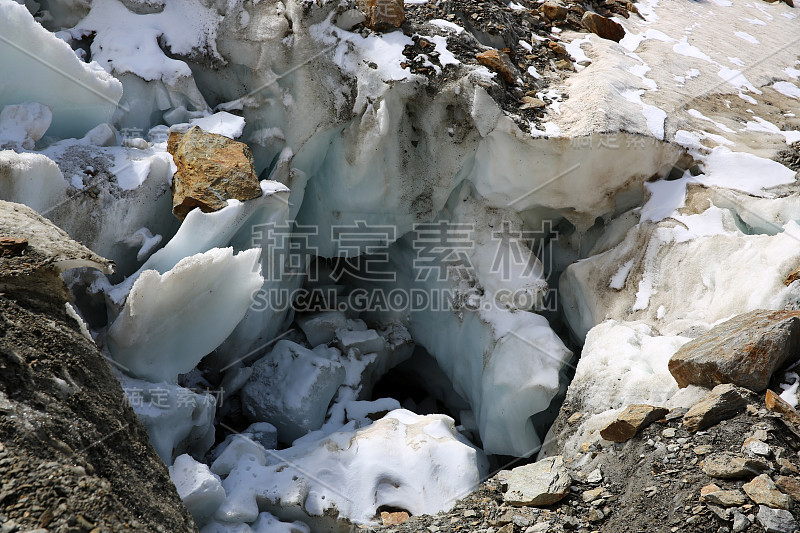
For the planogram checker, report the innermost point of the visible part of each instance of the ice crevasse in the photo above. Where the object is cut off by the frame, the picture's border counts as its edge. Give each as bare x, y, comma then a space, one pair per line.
353, 140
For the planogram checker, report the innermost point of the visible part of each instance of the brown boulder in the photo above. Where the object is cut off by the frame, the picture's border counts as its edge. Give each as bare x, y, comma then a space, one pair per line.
763, 491
212, 169
730, 466
393, 519
745, 351
382, 14
554, 10
722, 403
630, 421
500, 63
726, 498
789, 485
602, 26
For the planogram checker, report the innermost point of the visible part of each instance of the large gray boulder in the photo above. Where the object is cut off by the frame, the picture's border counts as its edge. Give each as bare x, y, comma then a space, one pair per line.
542, 483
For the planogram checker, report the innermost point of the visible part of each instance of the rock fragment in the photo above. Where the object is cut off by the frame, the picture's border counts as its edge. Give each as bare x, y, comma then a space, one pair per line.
542, 483
393, 519
789, 485
500, 63
530, 102
602, 26
792, 277
12, 246
740, 522
778, 405
763, 491
383, 14
723, 402
730, 466
726, 498
776, 520
745, 350
212, 169
630, 421
554, 10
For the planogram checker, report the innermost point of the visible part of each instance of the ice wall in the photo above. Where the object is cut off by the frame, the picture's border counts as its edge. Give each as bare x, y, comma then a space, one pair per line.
34, 62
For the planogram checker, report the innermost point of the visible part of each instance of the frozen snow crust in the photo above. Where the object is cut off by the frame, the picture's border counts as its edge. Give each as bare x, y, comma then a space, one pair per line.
642, 207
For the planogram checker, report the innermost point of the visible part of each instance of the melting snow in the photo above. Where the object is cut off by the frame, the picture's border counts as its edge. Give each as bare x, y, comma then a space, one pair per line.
744, 172
747, 37
655, 116
447, 25
685, 49
787, 89
697, 114
737, 79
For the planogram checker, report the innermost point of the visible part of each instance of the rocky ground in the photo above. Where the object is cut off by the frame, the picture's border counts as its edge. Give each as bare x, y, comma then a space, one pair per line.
653, 482
73, 455
519, 41
790, 157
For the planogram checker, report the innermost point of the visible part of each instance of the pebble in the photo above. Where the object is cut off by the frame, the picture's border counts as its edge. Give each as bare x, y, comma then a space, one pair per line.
703, 449
757, 447
668, 433
595, 476
740, 522
541, 527
520, 521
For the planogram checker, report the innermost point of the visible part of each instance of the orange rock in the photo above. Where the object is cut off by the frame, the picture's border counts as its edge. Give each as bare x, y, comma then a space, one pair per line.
789, 486
394, 519
499, 62
779, 405
794, 276
602, 26
554, 10
212, 169
12, 246
630, 421
383, 14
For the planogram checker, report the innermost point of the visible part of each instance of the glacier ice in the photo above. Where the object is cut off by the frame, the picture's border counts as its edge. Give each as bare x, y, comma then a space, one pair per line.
407, 461
489, 325
122, 189
87, 95
34, 180
698, 293
178, 420
171, 321
667, 276
199, 489
265, 523
24, 124
127, 45
345, 147
291, 388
